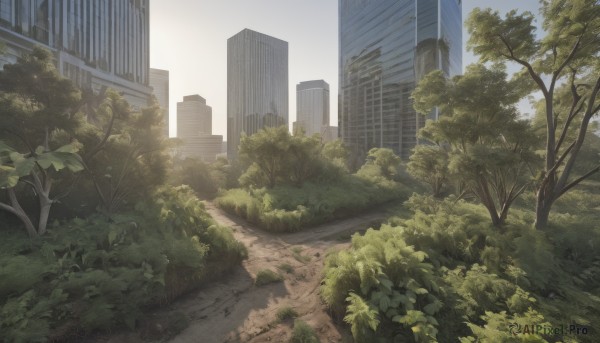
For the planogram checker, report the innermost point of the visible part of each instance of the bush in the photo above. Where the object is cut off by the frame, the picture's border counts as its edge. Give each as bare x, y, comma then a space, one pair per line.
289, 208
421, 279
266, 276
303, 333
98, 274
286, 312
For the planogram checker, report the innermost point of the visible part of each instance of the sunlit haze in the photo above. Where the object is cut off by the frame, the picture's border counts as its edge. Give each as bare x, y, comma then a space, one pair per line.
189, 39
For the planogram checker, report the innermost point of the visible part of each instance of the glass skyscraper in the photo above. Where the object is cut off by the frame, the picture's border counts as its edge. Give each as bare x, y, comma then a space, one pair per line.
386, 47
257, 85
97, 44
312, 107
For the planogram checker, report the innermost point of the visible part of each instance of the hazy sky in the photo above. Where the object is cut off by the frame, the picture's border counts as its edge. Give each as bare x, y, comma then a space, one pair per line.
189, 39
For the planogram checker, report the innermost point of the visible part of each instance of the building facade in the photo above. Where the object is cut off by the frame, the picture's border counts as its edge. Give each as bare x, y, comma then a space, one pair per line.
97, 44
159, 82
312, 106
194, 128
257, 85
386, 47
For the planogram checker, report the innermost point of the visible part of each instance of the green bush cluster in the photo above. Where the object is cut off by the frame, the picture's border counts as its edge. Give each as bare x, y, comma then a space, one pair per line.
266, 276
290, 208
446, 273
97, 274
303, 333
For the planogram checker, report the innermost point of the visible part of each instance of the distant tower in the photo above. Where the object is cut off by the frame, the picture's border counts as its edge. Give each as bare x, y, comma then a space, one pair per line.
194, 128
257, 85
312, 106
97, 44
386, 47
159, 81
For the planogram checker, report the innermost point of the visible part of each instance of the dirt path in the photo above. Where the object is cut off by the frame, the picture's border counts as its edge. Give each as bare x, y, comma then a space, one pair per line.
234, 310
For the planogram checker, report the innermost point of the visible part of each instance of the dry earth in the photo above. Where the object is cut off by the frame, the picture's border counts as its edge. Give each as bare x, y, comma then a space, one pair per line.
233, 309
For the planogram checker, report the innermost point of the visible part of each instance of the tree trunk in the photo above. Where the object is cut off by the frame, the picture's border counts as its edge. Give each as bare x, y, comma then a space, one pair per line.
18, 211
542, 212
45, 205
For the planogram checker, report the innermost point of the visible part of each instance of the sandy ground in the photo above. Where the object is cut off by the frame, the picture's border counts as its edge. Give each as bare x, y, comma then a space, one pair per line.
233, 309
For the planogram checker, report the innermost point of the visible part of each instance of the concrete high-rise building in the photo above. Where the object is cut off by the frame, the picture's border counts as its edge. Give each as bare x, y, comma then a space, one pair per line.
257, 85
159, 82
194, 128
312, 106
386, 47
97, 44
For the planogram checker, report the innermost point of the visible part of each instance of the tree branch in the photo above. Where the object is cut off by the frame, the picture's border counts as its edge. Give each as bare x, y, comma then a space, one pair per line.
578, 180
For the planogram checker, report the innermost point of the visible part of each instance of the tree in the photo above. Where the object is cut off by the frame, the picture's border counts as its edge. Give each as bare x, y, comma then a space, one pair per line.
266, 153
490, 149
124, 151
38, 117
569, 54
381, 161
429, 164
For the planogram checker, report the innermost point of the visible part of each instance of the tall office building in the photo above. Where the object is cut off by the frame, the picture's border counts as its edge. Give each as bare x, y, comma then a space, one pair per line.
97, 44
159, 82
194, 128
257, 85
386, 47
312, 106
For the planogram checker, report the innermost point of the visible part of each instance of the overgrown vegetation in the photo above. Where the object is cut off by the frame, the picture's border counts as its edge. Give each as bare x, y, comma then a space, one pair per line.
286, 313
303, 333
446, 272
278, 199
84, 175
96, 274
266, 276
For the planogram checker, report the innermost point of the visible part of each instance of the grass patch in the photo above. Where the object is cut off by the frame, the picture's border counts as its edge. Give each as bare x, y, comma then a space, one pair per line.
266, 276
286, 312
303, 333
286, 208
296, 253
286, 267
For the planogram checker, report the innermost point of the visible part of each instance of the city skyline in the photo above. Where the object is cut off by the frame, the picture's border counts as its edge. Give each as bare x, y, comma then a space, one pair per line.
190, 40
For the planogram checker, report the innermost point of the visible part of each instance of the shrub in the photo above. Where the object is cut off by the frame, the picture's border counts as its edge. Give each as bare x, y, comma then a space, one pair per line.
286, 267
286, 312
266, 276
303, 333
99, 274
421, 279
290, 208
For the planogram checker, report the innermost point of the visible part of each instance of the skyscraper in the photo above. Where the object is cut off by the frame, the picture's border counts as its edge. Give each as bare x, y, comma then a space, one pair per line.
159, 82
257, 85
312, 106
386, 47
97, 44
194, 128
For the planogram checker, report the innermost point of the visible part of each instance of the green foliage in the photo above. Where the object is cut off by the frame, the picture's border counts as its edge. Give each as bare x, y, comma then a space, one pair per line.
429, 164
98, 274
362, 318
274, 157
562, 66
487, 149
266, 276
380, 162
289, 208
286, 267
286, 313
303, 333
125, 152
446, 273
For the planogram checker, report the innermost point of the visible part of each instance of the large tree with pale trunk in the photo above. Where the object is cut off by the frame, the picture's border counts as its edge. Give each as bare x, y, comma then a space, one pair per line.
567, 56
